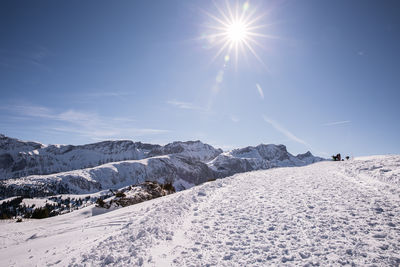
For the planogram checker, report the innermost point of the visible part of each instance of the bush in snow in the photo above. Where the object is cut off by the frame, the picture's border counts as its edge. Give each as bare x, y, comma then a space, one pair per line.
169, 187
120, 194
100, 202
40, 213
11, 208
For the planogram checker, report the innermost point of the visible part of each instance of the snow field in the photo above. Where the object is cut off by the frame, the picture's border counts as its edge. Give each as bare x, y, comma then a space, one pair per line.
328, 213
383, 168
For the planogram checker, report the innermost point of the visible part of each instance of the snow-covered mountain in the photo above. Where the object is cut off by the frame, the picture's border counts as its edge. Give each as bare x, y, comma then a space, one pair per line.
13, 146
325, 214
115, 164
195, 150
19, 158
259, 157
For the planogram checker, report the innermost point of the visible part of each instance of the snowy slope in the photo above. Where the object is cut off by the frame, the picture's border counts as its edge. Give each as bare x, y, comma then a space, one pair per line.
326, 214
176, 169
383, 168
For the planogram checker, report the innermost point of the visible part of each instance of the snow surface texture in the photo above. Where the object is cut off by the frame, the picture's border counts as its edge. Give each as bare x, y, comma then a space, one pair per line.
328, 213
384, 168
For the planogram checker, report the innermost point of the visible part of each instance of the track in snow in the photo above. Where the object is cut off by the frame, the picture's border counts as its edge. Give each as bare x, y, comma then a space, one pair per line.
321, 214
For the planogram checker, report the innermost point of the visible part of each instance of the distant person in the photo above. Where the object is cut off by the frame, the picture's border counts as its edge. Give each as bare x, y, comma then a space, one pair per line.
338, 157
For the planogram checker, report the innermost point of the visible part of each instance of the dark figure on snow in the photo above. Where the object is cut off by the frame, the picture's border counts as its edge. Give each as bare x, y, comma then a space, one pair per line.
338, 157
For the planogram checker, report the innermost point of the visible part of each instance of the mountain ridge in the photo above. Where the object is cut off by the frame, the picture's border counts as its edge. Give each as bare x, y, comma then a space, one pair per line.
20, 158
114, 164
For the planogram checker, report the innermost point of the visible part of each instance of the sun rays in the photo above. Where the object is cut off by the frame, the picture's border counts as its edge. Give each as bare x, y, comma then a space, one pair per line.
234, 30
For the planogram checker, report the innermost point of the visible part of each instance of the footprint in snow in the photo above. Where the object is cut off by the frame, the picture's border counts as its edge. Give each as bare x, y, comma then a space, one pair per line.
286, 259
384, 247
378, 210
379, 236
227, 257
304, 255
201, 194
32, 237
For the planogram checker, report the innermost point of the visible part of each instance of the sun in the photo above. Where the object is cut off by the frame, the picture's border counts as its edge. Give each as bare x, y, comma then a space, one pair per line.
235, 29
237, 32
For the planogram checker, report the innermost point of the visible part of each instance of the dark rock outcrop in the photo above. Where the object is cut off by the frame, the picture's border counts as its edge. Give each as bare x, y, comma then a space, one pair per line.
139, 193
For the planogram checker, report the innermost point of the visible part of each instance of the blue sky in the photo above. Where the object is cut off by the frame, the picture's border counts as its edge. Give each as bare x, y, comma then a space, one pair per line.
326, 79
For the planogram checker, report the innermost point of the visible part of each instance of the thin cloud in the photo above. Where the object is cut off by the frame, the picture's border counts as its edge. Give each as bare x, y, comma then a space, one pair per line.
336, 123
109, 94
102, 133
260, 90
28, 110
17, 59
234, 118
284, 131
184, 105
87, 124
